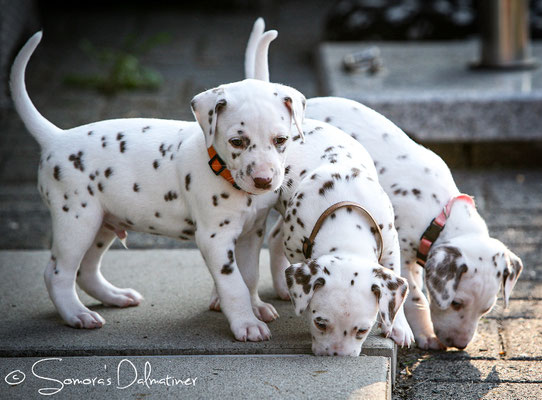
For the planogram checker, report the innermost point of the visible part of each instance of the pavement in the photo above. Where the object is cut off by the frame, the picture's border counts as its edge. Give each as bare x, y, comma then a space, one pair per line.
172, 329
174, 332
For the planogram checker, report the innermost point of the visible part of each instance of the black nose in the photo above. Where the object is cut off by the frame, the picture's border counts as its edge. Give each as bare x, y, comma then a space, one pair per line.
262, 183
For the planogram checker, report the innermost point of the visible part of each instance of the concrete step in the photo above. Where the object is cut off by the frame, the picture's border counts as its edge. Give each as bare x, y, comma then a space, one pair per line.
173, 320
429, 91
198, 377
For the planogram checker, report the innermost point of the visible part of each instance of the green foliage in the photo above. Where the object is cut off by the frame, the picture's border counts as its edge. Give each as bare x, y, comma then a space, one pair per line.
122, 67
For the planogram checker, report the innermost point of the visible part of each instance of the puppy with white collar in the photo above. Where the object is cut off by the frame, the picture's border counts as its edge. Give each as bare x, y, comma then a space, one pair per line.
188, 180
440, 230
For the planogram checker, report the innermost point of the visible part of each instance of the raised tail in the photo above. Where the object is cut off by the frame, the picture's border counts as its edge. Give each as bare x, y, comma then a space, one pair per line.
256, 54
250, 52
36, 123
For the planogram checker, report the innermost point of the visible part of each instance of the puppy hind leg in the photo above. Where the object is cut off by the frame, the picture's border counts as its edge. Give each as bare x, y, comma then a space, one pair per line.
91, 280
71, 239
278, 260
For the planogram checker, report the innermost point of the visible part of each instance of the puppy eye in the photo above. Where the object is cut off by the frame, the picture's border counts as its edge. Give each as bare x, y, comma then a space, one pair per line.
237, 142
320, 325
456, 305
280, 140
360, 333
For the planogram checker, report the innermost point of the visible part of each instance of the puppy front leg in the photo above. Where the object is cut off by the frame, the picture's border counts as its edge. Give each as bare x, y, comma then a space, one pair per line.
219, 255
417, 308
278, 260
247, 253
401, 333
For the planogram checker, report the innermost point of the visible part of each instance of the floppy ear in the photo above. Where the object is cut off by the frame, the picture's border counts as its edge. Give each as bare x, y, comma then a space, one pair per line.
302, 280
390, 291
295, 102
510, 275
205, 107
443, 270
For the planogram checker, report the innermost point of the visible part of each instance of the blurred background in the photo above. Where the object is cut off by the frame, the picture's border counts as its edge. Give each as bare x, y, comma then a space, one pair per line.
412, 60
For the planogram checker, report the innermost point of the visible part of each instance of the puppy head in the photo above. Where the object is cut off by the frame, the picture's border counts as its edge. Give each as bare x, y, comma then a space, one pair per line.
463, 278
250, 124
341, 298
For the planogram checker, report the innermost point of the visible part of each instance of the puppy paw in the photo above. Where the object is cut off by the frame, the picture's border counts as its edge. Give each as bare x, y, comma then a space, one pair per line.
122, 298
86, 319
252, 331
401, 335
265, 311
429, 342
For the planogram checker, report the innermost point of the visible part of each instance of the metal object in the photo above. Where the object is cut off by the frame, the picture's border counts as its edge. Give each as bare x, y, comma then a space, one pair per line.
505, 41
368, 59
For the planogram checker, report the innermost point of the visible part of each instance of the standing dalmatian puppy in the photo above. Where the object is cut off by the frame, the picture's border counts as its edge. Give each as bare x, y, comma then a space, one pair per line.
441, 233
211, 181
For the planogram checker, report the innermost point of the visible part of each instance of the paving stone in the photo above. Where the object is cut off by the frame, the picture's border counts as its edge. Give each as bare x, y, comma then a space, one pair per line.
482, 371
527, 290
476, 391
519, 309
523, 337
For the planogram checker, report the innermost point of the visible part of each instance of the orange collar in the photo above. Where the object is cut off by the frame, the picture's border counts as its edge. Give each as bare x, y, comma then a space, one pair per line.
218, 166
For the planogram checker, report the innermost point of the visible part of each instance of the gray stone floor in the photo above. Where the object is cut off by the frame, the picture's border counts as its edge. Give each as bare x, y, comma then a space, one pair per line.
503, 362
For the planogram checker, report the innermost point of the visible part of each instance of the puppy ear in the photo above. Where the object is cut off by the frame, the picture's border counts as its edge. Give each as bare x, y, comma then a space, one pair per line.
295, 102
510, 275
302, 280
443, 270
205, 107
390, 291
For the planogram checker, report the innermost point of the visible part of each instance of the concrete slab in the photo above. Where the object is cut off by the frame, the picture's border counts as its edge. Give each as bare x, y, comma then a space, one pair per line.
429, 90
173, 319
199, 377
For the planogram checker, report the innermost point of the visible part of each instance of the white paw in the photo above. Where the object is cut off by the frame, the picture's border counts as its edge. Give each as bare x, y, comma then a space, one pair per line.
429, 342
402, 335
264, 311
252, 331
85, 319
122, 298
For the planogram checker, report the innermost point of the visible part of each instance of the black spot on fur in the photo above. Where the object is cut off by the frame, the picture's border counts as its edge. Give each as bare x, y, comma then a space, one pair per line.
108, 172
100, 187
56, 172
122, 146
170, 196
325, 187
65, 209
155, 164
187, 180
136, 187
215, 200
90, 191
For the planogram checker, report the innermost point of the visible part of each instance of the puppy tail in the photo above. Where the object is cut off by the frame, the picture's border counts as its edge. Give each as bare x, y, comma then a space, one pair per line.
261, 67
36, 123
250, 52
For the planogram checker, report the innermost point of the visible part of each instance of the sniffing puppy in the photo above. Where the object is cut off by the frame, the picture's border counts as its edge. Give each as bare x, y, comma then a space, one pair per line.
188, 180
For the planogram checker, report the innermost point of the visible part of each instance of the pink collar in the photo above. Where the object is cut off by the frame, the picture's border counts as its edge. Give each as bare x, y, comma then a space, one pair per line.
436, 226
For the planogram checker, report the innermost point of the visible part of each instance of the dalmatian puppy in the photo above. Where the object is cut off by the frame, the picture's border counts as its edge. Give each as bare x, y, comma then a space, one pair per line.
445, 243
211, 181
346, 270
